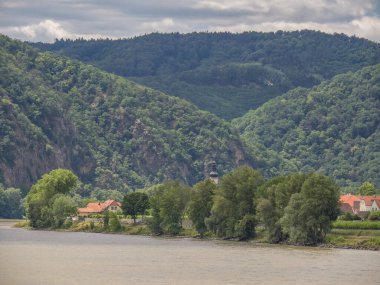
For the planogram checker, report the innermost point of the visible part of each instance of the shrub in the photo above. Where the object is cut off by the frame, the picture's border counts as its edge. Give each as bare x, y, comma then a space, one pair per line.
374, 216
114, 222
68, 223
349, 217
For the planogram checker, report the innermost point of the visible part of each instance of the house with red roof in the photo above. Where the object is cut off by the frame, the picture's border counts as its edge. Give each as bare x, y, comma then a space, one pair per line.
359, 205
99, 208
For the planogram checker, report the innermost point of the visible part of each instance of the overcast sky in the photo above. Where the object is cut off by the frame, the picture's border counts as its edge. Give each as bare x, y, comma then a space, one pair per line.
45, 20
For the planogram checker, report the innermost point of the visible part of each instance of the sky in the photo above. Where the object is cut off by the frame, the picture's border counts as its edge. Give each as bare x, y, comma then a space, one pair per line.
46, 20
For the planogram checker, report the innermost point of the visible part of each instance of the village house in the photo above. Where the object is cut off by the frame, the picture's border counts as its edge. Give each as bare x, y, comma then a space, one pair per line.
99, 208
359, 205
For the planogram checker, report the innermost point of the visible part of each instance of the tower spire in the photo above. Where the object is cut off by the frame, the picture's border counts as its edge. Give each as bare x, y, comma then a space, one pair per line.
214, 174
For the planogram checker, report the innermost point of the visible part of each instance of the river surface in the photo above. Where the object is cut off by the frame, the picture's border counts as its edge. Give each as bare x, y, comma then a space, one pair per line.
41, 257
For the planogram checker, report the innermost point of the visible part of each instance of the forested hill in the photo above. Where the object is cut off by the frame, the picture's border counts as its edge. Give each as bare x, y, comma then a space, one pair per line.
227, 74
333, 128
115, 134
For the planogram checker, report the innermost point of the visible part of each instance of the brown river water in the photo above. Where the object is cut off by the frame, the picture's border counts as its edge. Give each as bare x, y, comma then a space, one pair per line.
42, 257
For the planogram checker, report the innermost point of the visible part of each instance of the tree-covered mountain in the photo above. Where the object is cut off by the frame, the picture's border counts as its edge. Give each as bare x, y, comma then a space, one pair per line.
333, 128
113, 133
227, 74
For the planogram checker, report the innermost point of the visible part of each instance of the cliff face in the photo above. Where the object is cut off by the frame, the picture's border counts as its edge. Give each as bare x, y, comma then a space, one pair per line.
112, 133
29, 151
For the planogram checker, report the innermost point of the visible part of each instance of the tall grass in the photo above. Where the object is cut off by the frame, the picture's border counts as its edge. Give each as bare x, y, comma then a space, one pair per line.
361, 225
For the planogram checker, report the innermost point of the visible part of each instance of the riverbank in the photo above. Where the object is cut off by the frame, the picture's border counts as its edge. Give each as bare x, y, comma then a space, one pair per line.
354, 238
337, 238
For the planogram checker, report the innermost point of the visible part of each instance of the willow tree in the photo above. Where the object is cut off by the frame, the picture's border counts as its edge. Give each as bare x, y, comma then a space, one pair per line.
201, 201
233, 211
42, 208
308, 215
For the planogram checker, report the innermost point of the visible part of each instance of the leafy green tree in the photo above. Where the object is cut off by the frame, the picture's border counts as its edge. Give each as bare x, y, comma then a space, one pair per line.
3, 202
174, 203
268, 215
107, 194
106, 219
62, 208
114, 222
367, 189
201, 201
233, 212
155, 204
41, 197
169, 204
275, 195
307, 218
135, 203
10, 203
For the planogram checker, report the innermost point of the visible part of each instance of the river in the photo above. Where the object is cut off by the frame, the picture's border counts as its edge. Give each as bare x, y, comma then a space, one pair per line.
45, 257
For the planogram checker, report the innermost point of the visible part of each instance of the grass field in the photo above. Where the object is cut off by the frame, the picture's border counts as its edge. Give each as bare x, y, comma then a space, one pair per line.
354, 238
360, 225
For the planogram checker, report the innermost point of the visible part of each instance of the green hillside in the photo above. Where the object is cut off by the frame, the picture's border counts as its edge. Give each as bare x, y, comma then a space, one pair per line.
226, 74
115, 134
333, 128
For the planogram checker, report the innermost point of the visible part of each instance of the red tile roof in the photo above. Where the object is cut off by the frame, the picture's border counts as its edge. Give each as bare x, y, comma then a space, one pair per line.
349, 199
369, 199
98, 207
354, 201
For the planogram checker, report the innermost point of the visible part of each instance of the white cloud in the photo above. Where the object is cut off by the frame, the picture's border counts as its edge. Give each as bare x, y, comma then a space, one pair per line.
246, 5
44, 20
163, 24
47, 30
368, 27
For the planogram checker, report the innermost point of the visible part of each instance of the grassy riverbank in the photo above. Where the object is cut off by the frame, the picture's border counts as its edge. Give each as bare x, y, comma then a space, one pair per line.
355, 234
340, 238
11, 220
351, 238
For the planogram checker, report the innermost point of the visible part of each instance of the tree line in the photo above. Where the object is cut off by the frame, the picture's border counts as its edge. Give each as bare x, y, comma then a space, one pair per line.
224, 73
297, 208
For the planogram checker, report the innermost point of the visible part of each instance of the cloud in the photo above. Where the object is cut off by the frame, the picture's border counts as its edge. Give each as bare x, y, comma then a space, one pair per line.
47, 30
164, 24
368, 27
44, 20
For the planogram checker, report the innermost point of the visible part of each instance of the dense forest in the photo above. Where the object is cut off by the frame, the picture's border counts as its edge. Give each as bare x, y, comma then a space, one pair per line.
333, 128
226, 74
113, 133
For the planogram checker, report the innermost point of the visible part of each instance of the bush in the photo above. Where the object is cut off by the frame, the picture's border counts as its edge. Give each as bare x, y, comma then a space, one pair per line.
68, 223
349, 217
114, 222
374, 216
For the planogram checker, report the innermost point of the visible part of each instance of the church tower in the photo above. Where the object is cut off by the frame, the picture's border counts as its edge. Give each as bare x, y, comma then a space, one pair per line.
214, 174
